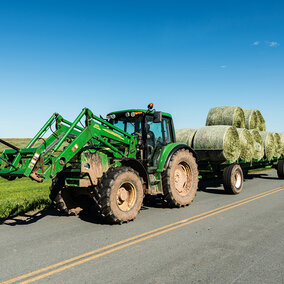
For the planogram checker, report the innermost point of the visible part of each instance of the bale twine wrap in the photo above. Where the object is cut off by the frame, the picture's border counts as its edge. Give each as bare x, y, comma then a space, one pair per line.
261, 122
257, 144
247, 144
269, 144
185, 135
251, 119
217, 143
282, 142
277, 145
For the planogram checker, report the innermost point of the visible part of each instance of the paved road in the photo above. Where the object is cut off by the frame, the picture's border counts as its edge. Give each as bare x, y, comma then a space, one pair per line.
218, 239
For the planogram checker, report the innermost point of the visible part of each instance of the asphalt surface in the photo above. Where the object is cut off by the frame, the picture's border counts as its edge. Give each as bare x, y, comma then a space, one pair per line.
219, 238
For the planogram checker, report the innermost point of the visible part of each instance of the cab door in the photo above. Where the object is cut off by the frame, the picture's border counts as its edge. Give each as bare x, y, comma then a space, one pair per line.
158, 135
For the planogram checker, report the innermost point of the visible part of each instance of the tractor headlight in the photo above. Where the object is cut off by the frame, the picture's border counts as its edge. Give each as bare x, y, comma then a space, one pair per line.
133, 114
127, 114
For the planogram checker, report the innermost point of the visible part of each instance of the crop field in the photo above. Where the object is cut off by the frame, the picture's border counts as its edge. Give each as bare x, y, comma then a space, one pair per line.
21, 195
20, 143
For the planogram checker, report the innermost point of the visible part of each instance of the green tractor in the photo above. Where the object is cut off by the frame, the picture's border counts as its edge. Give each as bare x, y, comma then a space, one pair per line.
113, 162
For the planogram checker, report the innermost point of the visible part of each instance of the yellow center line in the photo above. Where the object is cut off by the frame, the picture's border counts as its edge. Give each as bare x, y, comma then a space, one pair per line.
133, 240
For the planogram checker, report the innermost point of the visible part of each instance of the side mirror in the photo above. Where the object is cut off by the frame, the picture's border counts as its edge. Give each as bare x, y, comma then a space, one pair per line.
157, 117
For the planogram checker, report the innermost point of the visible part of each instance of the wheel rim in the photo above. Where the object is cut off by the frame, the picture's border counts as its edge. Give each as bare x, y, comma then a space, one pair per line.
183, 179
238, 180
126, 196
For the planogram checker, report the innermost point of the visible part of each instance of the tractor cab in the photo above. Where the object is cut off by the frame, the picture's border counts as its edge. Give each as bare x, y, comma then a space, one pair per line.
153, 129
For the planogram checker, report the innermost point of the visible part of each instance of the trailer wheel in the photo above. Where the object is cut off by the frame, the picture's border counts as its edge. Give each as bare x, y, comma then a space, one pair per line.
245, 173
67, 201
180, 179
233, 179
119, 195
280, 169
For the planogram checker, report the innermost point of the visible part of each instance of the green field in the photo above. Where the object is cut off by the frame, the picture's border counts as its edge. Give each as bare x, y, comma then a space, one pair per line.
22, 195
20, 143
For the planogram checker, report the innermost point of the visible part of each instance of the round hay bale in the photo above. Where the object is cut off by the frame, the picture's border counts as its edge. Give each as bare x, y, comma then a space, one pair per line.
269, 144
261, 122
257, 144
185, 135
251, 118
282, 142
247, 144
217, 143
277, 145
226, 115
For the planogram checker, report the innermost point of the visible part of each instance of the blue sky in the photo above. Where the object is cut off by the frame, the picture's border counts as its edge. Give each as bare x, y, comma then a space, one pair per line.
184, 56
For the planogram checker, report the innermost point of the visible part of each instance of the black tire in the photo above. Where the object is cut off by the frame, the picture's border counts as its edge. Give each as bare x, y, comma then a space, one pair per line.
67, 201
233, 179
180, 179
245, 173
119, 195
280, 169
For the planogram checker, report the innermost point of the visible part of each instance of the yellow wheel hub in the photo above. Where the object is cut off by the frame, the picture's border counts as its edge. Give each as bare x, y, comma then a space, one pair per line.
182, 179
126, 196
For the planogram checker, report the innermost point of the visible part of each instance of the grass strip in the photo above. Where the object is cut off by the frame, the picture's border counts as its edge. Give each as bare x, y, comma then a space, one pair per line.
22, 195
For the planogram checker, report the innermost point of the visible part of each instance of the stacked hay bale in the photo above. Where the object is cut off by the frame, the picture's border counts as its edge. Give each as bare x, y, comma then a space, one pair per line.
251, 119
282, 142
277, 145
226, 115
185, 135
261, 122
232, 133
269, 145
258, 145
246, 144
217, 143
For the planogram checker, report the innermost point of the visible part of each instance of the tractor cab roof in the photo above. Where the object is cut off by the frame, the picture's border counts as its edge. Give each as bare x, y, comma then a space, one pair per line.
122, 113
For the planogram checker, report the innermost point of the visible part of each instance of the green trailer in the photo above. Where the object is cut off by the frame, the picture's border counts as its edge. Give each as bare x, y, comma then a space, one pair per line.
233, 174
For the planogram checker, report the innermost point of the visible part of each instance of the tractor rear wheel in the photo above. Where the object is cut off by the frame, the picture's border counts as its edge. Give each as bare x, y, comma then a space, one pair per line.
180, 179
233, 179
119, 195
68, 201
280, 169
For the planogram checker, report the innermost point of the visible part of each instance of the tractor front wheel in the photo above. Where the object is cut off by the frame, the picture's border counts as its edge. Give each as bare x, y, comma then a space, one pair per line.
68, 201
120, 195
180, 179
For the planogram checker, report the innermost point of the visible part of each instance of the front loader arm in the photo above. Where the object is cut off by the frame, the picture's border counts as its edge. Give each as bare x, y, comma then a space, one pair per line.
43, 162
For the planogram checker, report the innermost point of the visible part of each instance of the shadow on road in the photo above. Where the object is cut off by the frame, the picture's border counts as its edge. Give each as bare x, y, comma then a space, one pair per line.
210, 186
28, 218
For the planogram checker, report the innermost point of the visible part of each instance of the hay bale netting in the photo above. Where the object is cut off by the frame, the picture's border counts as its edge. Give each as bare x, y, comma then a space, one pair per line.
260, 121
226, 115
269, 144
277, 145
251, 119
217, 143
246, 144
185, 135
258, 144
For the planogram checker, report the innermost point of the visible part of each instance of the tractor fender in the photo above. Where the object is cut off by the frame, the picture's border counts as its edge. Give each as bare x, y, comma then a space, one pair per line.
138, 167
169, 151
